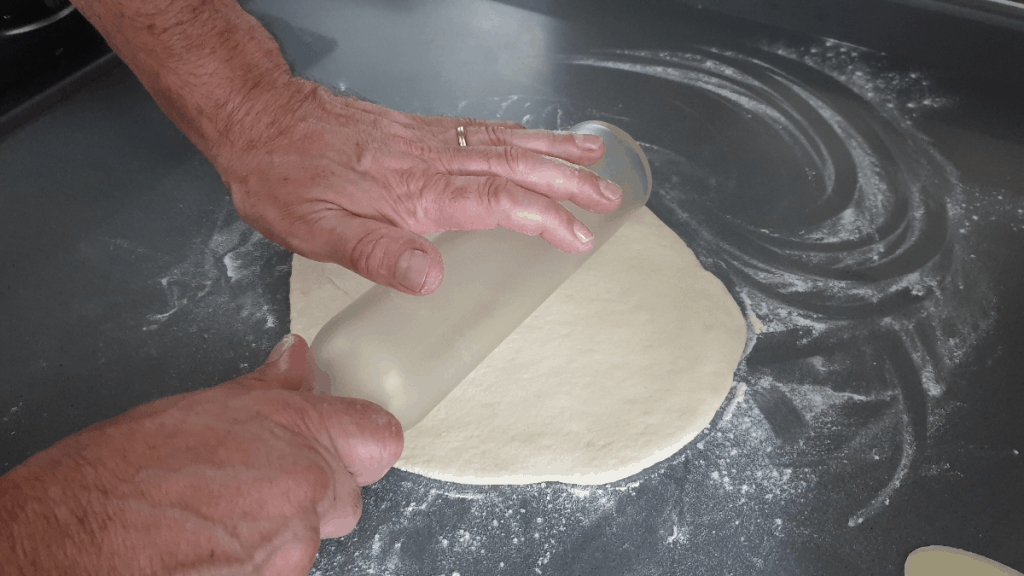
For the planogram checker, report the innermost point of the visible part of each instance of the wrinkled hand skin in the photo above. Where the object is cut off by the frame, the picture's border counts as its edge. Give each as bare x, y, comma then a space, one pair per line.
242, 478
341, 180
334, 178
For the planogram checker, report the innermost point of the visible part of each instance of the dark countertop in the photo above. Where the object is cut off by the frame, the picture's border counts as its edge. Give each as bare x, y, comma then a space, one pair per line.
867, 208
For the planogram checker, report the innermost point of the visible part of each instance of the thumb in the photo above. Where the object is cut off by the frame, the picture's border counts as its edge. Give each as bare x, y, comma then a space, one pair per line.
289, 367
383, 253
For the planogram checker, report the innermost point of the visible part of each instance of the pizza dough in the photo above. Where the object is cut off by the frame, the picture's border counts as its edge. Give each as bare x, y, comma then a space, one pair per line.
943, 561
627, 362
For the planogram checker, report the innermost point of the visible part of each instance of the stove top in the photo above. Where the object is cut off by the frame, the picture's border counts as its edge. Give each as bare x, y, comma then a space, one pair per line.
46, 61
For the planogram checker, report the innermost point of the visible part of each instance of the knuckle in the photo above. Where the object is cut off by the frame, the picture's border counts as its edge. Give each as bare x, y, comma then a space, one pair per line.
406, 201
414, 189
433, 184
568, 220
513, 158
587, 179
496, 134
495, 194
364, 156
562, 138
433, 195
442, 158
367, 256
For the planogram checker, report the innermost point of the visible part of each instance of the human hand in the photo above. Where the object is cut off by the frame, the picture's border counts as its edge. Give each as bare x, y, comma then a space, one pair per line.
242, 478
340, 180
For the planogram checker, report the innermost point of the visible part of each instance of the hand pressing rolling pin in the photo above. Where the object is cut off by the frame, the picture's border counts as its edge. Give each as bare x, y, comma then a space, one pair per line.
248, 476
242, 478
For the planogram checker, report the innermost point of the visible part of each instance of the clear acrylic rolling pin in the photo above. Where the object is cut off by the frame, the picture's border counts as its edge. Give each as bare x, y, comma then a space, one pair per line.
406, 353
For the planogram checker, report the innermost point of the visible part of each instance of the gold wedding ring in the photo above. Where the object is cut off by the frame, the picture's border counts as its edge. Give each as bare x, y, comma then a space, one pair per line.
462, 135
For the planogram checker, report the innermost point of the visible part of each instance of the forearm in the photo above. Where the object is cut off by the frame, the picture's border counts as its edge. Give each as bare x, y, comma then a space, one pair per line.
206, 63
59, 514
50, 526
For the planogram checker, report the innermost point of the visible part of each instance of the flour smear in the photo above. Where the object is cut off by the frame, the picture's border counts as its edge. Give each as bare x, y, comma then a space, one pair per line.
798, 177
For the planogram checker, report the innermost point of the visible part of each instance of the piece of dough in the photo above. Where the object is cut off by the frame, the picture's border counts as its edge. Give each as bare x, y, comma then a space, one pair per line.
627, 362
943, 561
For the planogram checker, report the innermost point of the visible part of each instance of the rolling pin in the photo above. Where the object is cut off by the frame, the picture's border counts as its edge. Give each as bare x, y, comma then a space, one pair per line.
406, 353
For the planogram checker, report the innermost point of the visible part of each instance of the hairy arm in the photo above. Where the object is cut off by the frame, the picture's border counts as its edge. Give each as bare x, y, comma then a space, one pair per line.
242, 478
336, 179
50, 521
207, 63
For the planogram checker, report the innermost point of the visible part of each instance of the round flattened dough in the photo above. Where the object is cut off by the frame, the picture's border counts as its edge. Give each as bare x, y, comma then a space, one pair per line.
627, 362
943, 561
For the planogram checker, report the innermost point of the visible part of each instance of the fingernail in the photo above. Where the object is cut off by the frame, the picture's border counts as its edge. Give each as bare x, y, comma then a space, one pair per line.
582, 232
611, 190
588, 141
281, 348
412, 269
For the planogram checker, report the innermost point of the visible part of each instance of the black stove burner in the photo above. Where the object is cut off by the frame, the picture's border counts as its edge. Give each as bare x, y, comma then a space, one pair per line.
47, 52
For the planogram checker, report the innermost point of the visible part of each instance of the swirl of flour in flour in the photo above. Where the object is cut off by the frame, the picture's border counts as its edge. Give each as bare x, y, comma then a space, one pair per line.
826, 205
799, 180
797, 176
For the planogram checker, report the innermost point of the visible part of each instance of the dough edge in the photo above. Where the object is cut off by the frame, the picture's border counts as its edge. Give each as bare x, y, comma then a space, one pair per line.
351, 286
